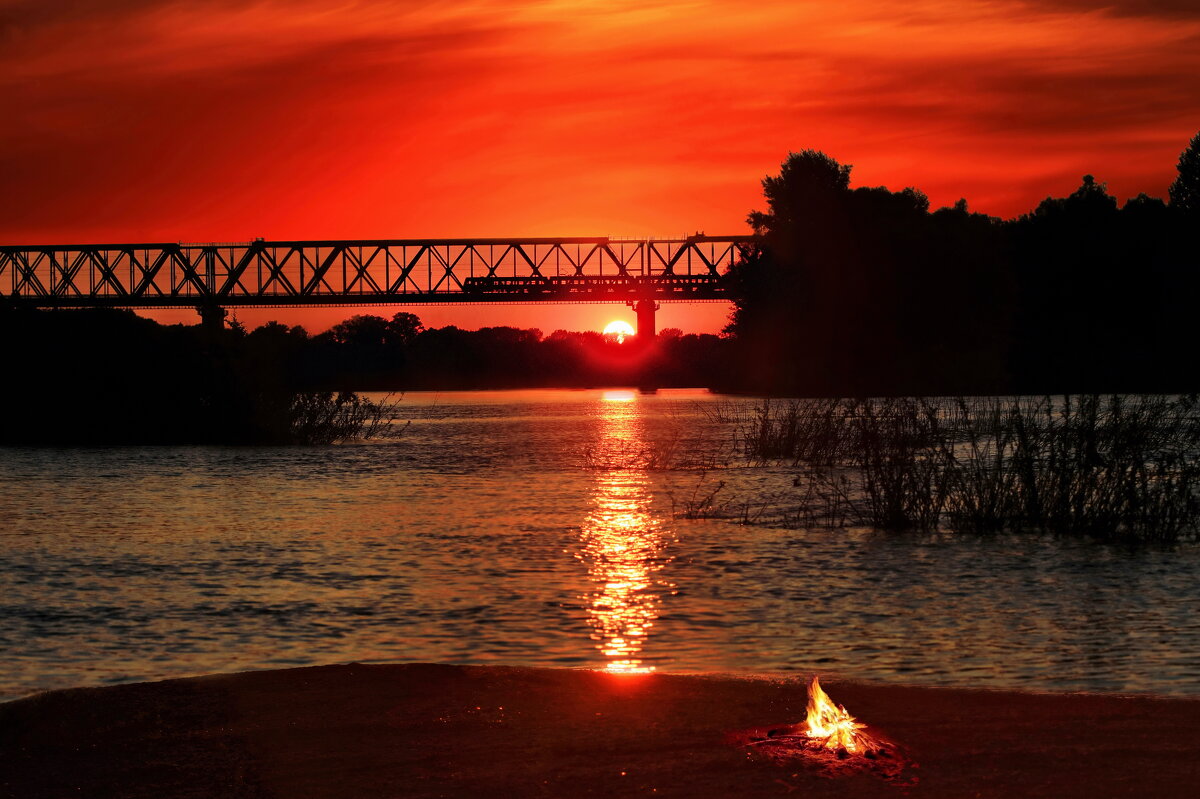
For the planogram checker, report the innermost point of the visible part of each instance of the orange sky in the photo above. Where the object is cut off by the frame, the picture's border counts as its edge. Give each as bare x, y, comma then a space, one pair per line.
220, 120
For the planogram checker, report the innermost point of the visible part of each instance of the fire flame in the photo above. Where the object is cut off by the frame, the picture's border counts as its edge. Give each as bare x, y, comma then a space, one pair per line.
831, 740
832, 722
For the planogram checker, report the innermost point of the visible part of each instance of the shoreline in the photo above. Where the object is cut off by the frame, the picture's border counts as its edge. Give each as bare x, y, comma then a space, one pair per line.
439, 730
831, 677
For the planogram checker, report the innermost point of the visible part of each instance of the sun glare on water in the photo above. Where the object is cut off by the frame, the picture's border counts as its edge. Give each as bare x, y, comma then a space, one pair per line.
619, 329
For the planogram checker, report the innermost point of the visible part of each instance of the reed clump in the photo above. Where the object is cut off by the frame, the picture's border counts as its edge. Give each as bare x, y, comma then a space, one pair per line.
1118, 468
809, 431
327, 417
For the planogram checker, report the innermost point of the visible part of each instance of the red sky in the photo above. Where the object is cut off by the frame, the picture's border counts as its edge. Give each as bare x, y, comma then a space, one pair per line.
216, 120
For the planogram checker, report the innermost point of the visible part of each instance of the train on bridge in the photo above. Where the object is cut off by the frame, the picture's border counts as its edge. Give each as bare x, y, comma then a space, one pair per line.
593, 288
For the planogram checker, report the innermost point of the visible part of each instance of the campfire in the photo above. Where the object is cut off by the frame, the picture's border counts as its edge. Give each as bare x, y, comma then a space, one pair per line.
830, 726
831, 740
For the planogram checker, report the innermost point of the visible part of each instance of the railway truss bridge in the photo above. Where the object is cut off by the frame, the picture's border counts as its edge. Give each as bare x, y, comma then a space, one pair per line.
212, 277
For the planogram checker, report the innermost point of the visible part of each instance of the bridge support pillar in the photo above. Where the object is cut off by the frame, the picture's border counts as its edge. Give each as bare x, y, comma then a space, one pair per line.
645, 318
212, 316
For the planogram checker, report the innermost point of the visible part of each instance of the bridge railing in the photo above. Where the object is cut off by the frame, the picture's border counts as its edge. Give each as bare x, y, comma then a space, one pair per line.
414, 271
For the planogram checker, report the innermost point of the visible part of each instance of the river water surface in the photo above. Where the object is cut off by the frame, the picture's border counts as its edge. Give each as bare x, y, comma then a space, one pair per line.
530, 528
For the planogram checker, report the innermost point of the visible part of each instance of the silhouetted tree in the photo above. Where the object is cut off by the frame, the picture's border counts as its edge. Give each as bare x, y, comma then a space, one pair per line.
809, 184
362, 330
1185, 191
1143, 206
405, 327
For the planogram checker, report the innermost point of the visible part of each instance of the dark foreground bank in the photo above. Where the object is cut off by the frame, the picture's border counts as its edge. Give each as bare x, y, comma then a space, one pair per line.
431, 730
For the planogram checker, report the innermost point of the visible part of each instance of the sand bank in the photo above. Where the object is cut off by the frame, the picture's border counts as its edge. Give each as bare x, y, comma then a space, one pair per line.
360, 731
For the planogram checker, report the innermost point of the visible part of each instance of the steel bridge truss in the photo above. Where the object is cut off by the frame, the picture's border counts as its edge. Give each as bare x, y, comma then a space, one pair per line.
402, 271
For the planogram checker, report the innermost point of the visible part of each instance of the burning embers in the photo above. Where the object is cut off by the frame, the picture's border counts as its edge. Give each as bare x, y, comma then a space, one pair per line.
832, 740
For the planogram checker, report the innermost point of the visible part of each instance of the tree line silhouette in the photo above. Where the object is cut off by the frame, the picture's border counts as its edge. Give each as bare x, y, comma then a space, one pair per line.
856, 291
369, 352
865, 291
106, 376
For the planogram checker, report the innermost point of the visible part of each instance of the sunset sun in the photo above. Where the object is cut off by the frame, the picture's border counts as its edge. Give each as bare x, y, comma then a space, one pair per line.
620, 329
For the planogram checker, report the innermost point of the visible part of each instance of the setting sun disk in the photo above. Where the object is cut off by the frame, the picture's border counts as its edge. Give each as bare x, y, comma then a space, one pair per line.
620, 329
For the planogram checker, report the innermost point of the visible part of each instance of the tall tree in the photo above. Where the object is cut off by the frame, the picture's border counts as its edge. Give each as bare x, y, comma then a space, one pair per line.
405, 327
1185, 191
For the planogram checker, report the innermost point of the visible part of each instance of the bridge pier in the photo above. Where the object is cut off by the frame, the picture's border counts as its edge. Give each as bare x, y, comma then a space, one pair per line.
645, 318
212, 316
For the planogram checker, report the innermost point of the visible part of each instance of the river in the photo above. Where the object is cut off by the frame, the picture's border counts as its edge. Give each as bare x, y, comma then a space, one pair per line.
532, 528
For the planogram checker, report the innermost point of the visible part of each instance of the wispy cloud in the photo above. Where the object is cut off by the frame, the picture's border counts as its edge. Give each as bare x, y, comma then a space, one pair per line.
215, 118
1164, 9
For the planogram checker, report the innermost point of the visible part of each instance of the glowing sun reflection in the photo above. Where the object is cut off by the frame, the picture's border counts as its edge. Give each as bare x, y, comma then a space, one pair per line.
622, 542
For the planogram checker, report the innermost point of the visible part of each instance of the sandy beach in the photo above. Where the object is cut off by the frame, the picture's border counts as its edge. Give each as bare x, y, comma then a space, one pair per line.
446, 731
